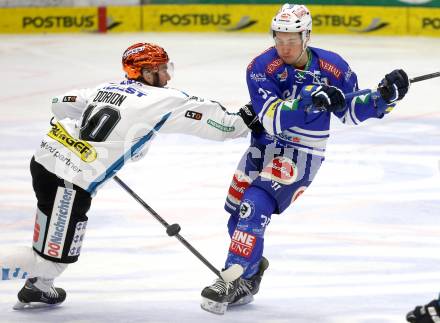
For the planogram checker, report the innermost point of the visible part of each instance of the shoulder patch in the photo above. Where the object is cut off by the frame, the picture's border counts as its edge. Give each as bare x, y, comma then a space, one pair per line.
69, 98
331, 68
272, 66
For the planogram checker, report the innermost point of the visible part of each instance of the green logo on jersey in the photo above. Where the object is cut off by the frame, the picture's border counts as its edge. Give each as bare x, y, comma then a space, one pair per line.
219, 126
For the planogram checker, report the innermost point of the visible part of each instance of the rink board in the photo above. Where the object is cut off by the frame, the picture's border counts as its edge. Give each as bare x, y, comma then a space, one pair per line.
218, 18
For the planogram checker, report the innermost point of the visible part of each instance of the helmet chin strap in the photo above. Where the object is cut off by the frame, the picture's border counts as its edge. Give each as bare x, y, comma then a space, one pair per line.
155, 79
299, 57
303, 51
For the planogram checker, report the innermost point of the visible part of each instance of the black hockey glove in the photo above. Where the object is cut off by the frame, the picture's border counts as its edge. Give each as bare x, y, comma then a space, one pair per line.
250, 118
325, 97
429, 313
394, 86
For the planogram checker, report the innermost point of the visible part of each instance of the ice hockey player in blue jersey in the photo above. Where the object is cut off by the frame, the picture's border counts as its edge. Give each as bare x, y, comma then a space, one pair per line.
294, 90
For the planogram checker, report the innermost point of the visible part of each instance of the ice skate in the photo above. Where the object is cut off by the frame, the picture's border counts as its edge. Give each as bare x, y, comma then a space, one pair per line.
247, 288
217, 297
30, 296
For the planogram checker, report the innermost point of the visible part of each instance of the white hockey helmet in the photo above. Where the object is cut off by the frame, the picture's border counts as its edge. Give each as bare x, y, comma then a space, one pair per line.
293, 18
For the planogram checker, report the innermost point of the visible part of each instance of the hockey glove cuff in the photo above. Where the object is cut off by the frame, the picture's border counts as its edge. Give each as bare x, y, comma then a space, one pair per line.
250, 118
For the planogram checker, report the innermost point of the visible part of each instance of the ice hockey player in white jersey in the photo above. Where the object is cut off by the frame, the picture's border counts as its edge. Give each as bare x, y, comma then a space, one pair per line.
94, 132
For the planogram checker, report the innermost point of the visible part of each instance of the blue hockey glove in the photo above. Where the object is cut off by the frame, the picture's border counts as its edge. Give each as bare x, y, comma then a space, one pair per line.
250, 118
394, 86
324, 97
429, 313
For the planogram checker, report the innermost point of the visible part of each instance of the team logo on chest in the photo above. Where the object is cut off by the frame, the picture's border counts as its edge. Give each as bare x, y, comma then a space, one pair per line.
282, 77
281, 170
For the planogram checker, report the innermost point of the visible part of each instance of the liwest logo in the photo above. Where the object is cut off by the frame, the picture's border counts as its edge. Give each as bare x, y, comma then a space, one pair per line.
59, 222
81, 148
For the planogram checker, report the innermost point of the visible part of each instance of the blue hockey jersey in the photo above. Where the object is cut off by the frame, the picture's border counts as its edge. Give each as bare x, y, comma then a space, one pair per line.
274, 88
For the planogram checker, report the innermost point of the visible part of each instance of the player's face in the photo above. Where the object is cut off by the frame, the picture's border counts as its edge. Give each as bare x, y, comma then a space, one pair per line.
165, 72
159, 76
289, 46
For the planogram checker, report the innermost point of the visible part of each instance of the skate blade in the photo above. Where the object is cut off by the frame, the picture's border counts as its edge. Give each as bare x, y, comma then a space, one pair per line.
242, 301
213, 307
20, 306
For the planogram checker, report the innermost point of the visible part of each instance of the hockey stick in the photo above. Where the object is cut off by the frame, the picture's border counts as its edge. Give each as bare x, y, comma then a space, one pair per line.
375, 93
228, 275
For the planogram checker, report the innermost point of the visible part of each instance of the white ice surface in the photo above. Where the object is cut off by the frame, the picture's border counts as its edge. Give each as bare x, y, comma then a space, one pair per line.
360, 246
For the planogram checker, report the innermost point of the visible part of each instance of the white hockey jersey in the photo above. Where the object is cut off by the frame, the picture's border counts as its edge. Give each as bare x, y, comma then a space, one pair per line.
96, 131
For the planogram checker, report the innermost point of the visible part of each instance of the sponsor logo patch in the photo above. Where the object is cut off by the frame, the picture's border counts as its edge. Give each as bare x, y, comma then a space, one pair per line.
59, 222
242, 243
282, 77
240, 182
219, 126
298, 193
274, 65
331, 68
281, 170
57, 154
133, 51
348, 74
69, 98
300, 12
193, 115
39, 230
49, 22
246, 210
431, 22
78, 237
258, 77
81, 148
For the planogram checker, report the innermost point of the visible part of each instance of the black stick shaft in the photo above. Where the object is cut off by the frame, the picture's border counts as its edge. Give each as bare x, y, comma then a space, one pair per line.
165, 224
424, 77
